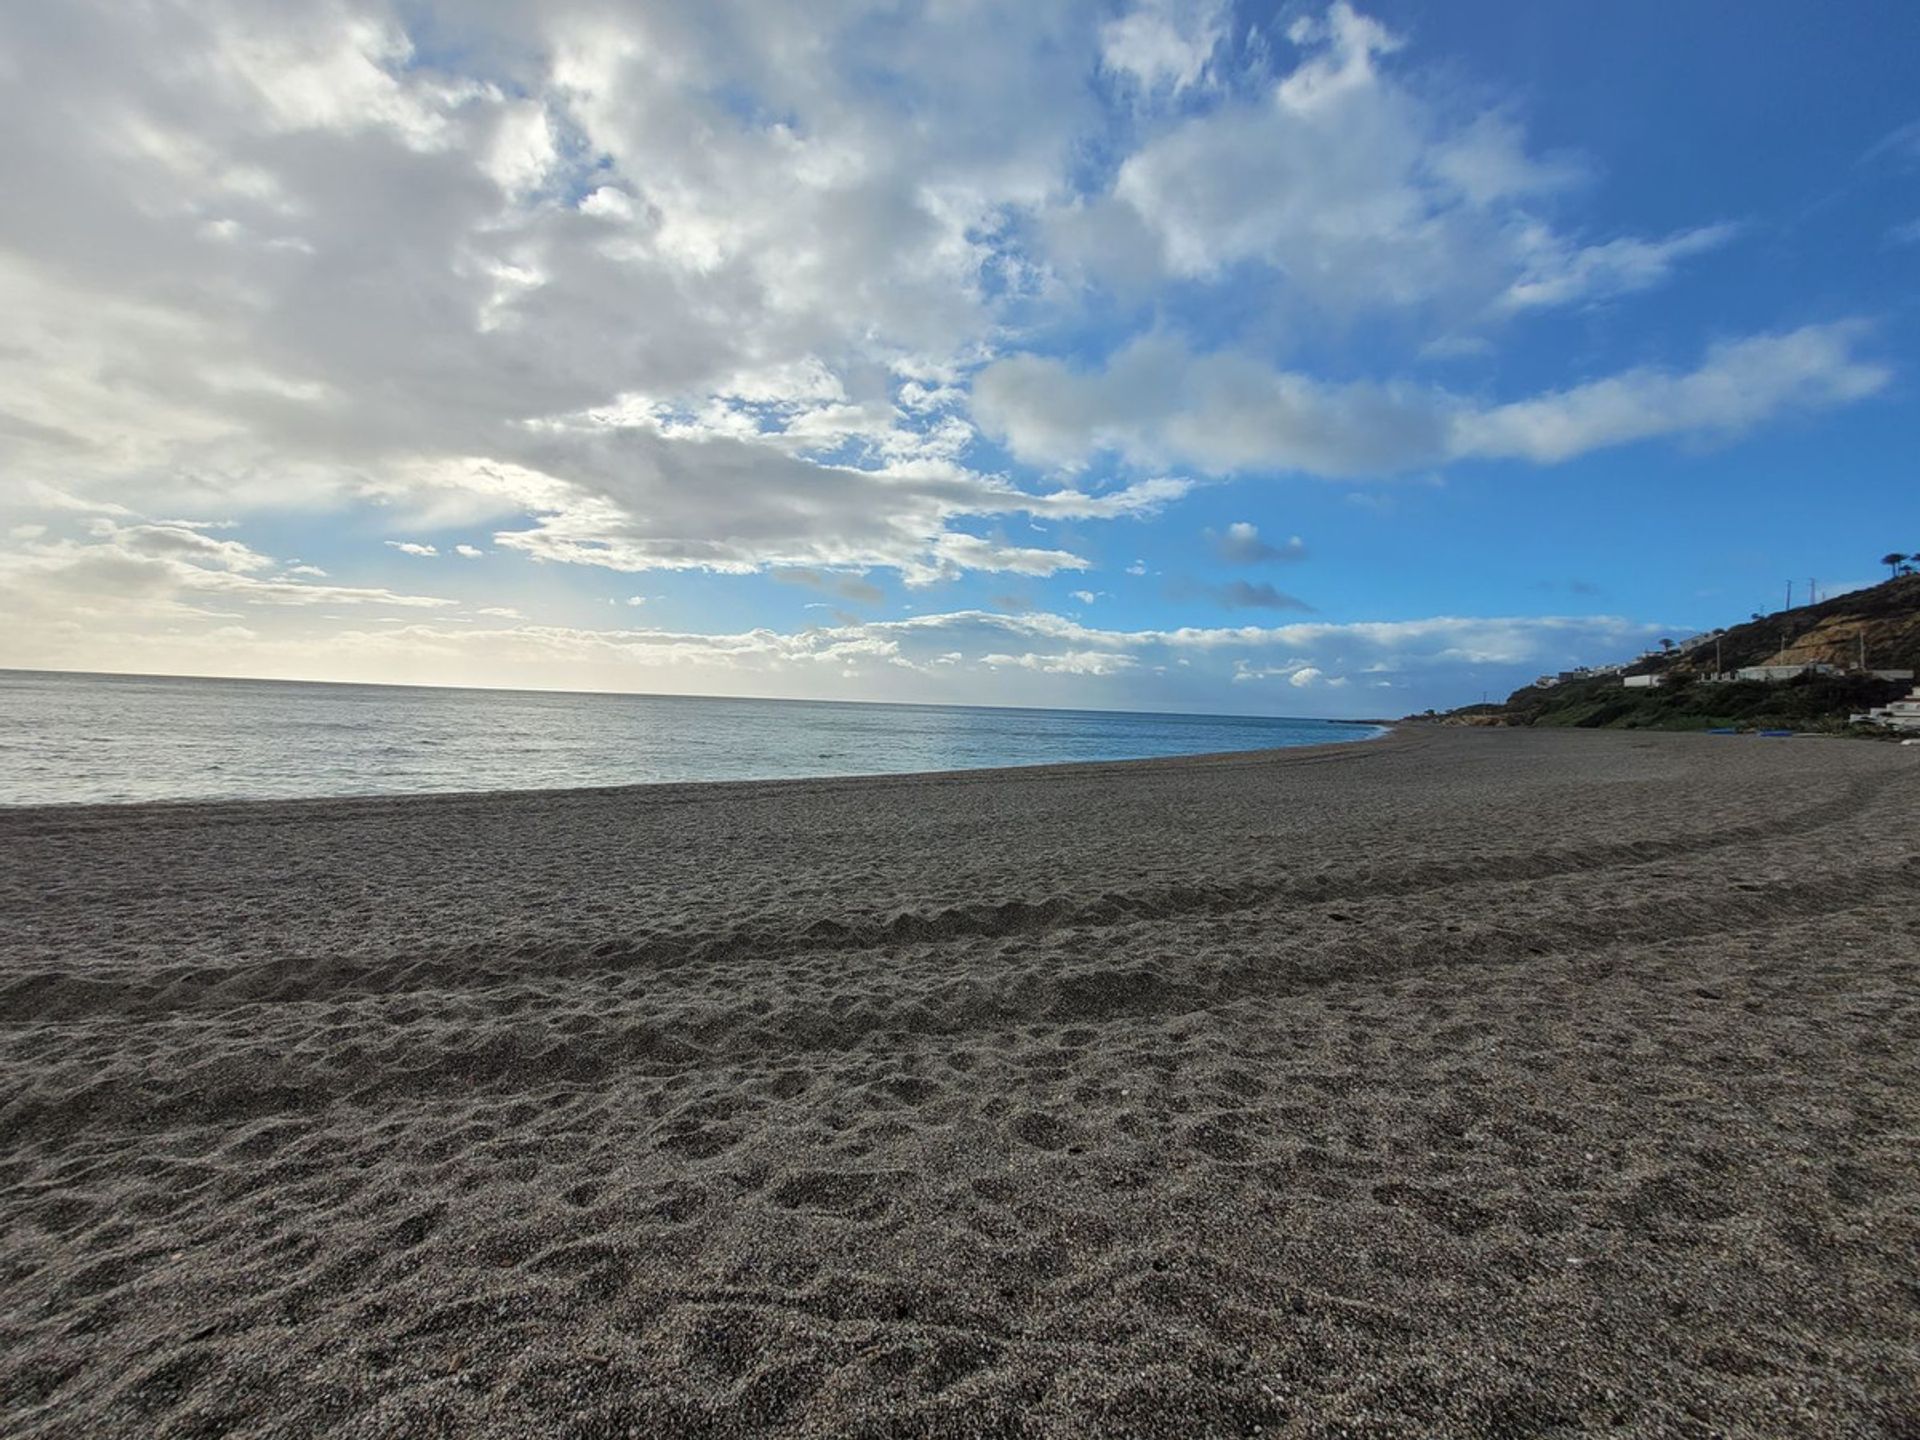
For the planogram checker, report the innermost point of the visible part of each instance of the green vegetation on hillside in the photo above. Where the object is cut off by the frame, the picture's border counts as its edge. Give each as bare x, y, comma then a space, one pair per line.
1880, 624
1810, 702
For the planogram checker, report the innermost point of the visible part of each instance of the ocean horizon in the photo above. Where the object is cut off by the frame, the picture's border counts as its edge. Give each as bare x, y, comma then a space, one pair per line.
69, 737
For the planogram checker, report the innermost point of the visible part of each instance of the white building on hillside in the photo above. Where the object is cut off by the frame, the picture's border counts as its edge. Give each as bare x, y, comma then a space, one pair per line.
1785, 672
1900, 715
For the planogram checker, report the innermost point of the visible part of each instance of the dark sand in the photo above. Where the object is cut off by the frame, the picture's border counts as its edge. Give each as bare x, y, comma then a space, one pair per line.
1466, 1083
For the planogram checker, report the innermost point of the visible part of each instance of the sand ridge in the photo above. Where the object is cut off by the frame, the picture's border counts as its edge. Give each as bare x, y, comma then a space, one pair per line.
1457, 1083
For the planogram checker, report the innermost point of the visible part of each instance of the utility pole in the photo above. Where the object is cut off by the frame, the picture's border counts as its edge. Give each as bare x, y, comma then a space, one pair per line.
1789, 594
1813, 595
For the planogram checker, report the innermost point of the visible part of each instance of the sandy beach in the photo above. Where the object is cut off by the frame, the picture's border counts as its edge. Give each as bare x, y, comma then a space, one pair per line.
1460, 1083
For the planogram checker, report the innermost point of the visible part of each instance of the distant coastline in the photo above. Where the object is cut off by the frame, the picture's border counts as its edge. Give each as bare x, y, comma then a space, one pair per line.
1816, 668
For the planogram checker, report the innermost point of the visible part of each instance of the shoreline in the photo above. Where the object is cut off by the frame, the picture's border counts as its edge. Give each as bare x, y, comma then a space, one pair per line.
1474, 1081
1385, 731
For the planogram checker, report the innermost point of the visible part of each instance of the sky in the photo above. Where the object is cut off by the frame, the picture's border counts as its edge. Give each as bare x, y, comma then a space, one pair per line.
1308, 359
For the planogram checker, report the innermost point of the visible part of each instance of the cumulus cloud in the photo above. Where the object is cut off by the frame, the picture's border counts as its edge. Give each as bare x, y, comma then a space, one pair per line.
1739, 384
304, 261
1065, 662
1240, 544
1156, 403
633, 499
1164, 44
411, 547
1350, 186
323, 265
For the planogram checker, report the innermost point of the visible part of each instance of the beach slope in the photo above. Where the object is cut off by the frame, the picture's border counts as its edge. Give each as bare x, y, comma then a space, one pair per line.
1462, 1082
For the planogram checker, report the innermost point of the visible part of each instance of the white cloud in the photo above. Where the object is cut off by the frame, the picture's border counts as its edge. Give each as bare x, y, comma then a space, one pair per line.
468, 552
1740, 384
1164, 44
806, 268
1156, 403
1558, 273
411, 547
1065, 662
631, 499
319, 269
144, 575
970, 552
291, 259
179, 542
1240, 544
1350, 186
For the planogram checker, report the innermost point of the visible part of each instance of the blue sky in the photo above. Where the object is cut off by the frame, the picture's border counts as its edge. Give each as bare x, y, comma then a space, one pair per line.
1310, 359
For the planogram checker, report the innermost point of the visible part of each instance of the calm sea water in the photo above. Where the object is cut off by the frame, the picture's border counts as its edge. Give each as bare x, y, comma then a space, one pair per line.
123, 737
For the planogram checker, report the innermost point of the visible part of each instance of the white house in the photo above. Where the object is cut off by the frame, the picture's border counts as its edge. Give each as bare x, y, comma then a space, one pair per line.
1900, 715
1785, 672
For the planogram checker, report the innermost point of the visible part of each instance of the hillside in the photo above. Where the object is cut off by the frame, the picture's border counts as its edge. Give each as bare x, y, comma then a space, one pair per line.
1882, 623
1887, 616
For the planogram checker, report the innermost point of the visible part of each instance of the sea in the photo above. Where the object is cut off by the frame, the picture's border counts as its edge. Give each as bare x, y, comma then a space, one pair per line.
72, 738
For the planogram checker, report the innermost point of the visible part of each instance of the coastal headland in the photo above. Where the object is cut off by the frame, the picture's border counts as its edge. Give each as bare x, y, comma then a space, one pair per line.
1457, 1083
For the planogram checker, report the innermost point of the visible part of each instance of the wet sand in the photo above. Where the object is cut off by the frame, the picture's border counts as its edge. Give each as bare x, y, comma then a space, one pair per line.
1472, 1083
